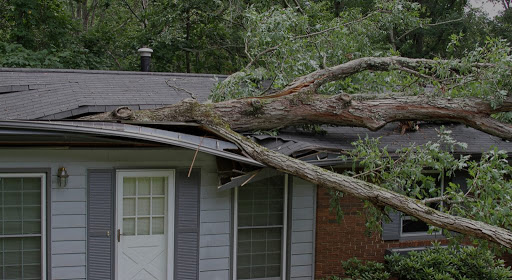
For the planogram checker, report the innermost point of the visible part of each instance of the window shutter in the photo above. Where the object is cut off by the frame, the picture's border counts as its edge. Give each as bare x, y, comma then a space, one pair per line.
100, 224
391, 230
186, 240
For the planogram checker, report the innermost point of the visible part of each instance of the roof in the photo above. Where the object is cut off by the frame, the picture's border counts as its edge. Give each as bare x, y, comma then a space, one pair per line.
45, 94
57, 94
301, 144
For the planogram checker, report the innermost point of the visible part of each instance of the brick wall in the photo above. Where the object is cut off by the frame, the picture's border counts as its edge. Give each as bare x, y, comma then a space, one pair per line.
340, 242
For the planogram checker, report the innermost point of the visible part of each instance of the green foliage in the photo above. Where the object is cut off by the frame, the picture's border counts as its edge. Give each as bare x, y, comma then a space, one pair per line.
439, 263
356, 269
448, 263
335, 205
15, 55
282, 44
277, 38
460, 78
489, 191
416, 170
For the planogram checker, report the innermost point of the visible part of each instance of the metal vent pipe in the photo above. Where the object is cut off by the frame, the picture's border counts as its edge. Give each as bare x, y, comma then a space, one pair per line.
145, 59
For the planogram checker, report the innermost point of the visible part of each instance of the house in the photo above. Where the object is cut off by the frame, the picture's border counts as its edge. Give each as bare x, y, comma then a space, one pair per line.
134, 200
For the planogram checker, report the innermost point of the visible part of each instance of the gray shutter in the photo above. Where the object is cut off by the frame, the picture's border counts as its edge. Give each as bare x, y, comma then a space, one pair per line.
391, 231
186, 246
100, 224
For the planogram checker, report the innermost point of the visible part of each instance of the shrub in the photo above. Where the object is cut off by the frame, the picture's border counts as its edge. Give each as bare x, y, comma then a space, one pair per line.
448, 263
437, 263
370, 270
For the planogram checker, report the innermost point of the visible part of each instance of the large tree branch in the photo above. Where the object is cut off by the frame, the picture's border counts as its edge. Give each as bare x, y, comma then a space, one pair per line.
311, 82
363, 190
212, 118
343, 110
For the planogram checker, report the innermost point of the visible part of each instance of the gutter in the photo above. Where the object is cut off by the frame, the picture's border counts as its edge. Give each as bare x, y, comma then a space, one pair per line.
207, 145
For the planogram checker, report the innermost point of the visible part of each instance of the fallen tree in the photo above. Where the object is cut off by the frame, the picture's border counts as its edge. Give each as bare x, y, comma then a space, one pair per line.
300, 103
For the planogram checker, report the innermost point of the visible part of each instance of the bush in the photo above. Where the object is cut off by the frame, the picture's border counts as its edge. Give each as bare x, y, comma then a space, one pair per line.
437, 263
448, 263
356, 269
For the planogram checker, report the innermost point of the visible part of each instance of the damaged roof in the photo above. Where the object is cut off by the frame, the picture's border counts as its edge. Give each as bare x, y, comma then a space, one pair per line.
42, 129
297, 143
29, 94
45, 94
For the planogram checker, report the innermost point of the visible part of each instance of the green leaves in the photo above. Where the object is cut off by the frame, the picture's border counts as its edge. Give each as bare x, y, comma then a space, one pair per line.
288, 44
448, 263
439, 263
420, 171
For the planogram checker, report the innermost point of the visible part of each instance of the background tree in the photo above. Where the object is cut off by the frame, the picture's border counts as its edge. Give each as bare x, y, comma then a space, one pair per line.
208, 36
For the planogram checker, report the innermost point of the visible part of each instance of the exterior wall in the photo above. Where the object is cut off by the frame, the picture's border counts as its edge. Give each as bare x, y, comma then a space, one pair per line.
339, 242
302, 243
69, 213
69, 207
214, 242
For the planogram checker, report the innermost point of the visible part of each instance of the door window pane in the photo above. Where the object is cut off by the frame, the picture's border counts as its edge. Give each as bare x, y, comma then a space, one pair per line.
158, 206
128, 207
129, 226
128, 186
143, 186
158, 225
142, 226
144, 205
158, 185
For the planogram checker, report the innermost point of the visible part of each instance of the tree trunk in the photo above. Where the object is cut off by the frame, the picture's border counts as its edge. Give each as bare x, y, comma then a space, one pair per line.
376, 195
187, 30
85, 14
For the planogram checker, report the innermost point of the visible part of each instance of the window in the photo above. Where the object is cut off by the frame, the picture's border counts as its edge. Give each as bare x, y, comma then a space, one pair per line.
260, 229
144, 205
413, 227
22, 226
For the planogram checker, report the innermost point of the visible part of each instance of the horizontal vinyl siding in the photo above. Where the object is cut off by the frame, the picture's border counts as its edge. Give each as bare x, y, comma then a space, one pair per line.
69, 221
302, 230
215, 217
69, 204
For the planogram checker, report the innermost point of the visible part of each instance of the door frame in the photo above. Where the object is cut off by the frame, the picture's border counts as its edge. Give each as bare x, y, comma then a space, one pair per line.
171, 193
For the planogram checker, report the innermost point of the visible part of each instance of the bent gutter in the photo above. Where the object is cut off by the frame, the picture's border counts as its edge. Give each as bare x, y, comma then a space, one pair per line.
192, 142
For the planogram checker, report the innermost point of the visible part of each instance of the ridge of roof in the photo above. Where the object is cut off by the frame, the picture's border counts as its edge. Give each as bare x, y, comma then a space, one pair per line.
82, 71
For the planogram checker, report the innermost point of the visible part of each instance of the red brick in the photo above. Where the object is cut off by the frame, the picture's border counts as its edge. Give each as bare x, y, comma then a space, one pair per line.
339, 242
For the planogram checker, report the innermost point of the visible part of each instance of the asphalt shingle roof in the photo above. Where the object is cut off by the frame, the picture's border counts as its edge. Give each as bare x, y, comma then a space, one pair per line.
296, 142
30, 94
56, 94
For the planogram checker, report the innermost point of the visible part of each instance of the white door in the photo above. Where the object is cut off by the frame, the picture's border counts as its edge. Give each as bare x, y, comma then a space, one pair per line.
145, 223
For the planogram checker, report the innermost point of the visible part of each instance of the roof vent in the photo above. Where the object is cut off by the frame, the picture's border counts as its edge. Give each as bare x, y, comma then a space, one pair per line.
145, 58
